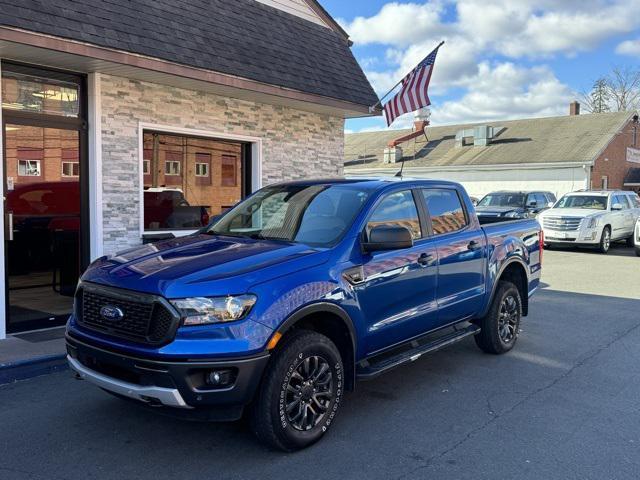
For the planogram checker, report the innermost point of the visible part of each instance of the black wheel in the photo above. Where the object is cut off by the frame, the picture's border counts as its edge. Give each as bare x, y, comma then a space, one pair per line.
630, 241
605, 240
638, 251
500, 327
300, 393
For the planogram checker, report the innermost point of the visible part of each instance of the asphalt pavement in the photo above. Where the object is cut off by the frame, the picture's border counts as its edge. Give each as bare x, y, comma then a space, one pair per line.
564, 404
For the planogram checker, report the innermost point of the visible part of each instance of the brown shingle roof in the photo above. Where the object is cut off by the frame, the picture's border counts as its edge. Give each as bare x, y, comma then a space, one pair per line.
537, 140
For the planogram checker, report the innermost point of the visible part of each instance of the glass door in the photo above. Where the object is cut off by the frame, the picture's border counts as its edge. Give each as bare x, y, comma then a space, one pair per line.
44, 215
42, 209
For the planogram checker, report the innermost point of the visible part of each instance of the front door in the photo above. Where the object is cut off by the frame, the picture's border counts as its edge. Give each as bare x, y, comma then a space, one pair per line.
397, 296
43, 163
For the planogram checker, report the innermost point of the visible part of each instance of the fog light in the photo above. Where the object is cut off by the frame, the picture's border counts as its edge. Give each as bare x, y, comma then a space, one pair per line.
220, 378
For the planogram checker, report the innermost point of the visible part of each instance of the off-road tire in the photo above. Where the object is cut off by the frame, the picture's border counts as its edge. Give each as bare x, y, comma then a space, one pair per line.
491, 338
268, 415
605, 240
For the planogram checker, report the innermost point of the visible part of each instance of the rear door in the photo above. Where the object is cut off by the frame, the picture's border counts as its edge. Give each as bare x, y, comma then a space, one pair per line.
461, 248
397, 294
622, 222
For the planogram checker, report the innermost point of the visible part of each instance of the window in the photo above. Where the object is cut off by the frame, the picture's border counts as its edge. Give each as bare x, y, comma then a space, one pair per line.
172, 167
502, 199
445, 209
229, 171
397, 210
29, 168
310, 214
202, 169
183, 180
591, 202
635, 200
70, 169
622, 200
604, 182
32, 93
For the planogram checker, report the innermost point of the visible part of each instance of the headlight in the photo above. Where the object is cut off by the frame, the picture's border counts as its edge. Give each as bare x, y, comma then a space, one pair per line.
516, 214
205, 310
593, 222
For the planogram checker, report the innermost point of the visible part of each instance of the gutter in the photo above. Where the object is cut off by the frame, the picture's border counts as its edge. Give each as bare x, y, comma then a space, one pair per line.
391, 170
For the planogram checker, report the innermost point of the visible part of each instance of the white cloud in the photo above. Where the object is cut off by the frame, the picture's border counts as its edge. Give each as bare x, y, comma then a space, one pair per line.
398, 24
629, 47
506, 91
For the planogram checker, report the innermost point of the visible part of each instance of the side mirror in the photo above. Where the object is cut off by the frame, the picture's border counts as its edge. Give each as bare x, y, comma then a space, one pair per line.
616, 206
532, 204
475, 201
550, 204
386, 237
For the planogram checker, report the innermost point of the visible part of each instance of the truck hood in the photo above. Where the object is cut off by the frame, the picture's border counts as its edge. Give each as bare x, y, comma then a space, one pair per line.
202, 265
572, 212
497, 211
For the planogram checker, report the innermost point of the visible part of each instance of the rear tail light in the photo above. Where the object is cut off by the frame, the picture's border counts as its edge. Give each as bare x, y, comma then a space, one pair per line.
204, 217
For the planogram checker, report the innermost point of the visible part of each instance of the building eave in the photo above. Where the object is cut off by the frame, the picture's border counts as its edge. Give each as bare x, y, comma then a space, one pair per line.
393, 168
27, 46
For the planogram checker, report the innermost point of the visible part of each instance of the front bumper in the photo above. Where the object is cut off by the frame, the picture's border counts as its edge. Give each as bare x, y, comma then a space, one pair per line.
583, 236
178, 385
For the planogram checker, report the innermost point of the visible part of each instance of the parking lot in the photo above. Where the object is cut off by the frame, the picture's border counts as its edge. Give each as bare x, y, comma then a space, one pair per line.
563, 404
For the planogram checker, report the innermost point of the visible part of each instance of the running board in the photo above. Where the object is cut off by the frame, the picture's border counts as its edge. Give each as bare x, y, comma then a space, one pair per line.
371, 368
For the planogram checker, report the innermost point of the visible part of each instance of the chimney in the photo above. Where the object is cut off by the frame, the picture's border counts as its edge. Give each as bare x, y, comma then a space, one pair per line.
574, 108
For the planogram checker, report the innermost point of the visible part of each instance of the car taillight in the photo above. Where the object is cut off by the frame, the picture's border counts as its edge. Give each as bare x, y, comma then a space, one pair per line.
204, 217
541, 242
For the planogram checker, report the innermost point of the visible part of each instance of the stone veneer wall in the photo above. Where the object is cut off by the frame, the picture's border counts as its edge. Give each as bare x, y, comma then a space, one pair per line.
295, 144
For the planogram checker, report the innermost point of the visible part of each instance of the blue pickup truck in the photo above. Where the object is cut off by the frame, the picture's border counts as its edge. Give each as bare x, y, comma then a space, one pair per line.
280, 305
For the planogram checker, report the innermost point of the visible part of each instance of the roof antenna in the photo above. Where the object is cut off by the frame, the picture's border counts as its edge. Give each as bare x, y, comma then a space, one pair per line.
399, 174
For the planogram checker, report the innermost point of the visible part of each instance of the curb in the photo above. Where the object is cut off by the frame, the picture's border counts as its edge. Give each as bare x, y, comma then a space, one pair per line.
33, 367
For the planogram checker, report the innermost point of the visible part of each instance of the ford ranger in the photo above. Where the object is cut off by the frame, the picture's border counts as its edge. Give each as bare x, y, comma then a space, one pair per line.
280, 305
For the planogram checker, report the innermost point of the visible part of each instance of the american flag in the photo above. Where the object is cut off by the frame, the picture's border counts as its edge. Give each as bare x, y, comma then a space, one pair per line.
413, 94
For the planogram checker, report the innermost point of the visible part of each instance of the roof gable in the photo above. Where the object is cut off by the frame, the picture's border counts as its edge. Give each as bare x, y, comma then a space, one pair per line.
242, 38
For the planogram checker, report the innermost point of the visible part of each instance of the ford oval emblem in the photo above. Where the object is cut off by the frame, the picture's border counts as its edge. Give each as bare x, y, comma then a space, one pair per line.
111, 313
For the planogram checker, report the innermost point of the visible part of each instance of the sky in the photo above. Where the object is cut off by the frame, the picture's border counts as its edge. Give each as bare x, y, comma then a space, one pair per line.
501, 59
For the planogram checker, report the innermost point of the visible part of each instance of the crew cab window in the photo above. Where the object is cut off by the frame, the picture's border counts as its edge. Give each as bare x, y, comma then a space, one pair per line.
445, 209
399, 210
635, 201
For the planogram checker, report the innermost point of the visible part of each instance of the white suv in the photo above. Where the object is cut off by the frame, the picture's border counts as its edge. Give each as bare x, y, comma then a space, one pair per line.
591, 218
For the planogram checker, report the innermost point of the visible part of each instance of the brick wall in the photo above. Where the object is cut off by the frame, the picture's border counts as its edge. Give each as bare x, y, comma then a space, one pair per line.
613, 160
295, 144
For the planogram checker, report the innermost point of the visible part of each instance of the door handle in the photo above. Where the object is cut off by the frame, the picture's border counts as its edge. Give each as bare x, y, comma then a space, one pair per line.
425, 258
9, 226
473, 245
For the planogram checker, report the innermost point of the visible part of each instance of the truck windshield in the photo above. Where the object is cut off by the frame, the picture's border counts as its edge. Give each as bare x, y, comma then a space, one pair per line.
595, 202
505, 199
313, 214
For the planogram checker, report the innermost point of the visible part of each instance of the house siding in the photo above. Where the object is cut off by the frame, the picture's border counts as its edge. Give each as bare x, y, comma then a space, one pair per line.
295, 144
612, 162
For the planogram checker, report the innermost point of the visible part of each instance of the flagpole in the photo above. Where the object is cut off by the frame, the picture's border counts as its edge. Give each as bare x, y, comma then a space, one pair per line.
373, 107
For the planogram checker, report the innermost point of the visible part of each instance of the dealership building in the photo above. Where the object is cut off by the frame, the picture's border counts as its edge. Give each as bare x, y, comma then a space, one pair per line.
557, 154
129, 121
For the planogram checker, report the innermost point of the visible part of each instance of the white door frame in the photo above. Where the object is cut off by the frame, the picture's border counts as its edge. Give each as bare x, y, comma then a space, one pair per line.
3, 305
256, 161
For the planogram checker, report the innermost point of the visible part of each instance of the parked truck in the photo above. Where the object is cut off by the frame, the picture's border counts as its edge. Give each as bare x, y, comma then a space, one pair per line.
278, 307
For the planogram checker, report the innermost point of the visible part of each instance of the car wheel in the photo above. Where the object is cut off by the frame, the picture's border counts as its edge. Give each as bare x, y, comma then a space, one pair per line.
605, 240
300, 393
630, 242
638, 251
500, 327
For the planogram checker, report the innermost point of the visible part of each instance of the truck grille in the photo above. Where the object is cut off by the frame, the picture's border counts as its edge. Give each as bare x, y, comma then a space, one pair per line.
562, 224
145, 318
